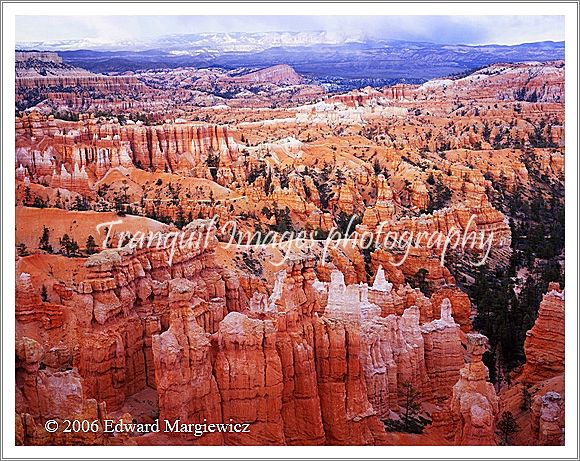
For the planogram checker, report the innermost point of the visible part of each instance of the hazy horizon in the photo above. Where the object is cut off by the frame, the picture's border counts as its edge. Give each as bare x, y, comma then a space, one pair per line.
450, 30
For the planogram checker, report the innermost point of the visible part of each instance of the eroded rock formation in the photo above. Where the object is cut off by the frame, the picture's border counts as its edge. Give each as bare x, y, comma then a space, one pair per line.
316, 346
544, 345
474, 403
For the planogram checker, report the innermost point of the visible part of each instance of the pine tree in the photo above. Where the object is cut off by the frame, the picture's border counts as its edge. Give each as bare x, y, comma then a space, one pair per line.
81, 204
44, 241
22, 250
507, 425
377, 167
283, 220
526, 397
213, 163
180, 218
44, 294
486, 131
38, 202
411, 406
27, 195
91, 246
69, 247
419, 280
58, 203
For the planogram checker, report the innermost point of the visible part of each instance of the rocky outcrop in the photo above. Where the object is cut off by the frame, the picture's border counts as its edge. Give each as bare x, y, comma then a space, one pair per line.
346, 198
419, 195
347, 415
394, 355
281, 74
474, 403
523, 82
399, 347
384, 207
127, 297
69, 76
312, 363
111, 361
249, 376
295, 302
547, 419
77, 181
460, 305
46, 70
544, 345
536, 396
98, 145
44, 56
443, 353
45, 391
348, 302
35, 314
459, 219
395, 301
186, 387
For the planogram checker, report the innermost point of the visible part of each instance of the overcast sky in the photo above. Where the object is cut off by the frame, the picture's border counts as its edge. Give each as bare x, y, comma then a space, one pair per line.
478, 30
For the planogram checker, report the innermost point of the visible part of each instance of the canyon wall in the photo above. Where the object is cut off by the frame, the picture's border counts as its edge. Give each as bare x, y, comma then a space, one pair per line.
172, 145
536, 396
314, 363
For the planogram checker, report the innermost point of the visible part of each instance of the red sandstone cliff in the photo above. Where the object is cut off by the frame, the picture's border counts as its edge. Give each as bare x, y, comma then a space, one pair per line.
544, 345
537, 396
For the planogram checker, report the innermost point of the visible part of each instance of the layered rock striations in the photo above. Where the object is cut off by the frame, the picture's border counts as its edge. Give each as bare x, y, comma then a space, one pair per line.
394, 355
313, 363
547, 419
184, 381
536, 395
99, 147
544, 345
323, 347
474, 403
249, 376
111, 321
443, 352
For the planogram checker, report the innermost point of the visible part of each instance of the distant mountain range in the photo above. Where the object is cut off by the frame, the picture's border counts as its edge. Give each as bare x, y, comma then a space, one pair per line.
204, 42
321, 56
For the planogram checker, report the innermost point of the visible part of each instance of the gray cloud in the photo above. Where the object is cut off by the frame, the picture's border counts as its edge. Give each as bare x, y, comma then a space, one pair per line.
439, 29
